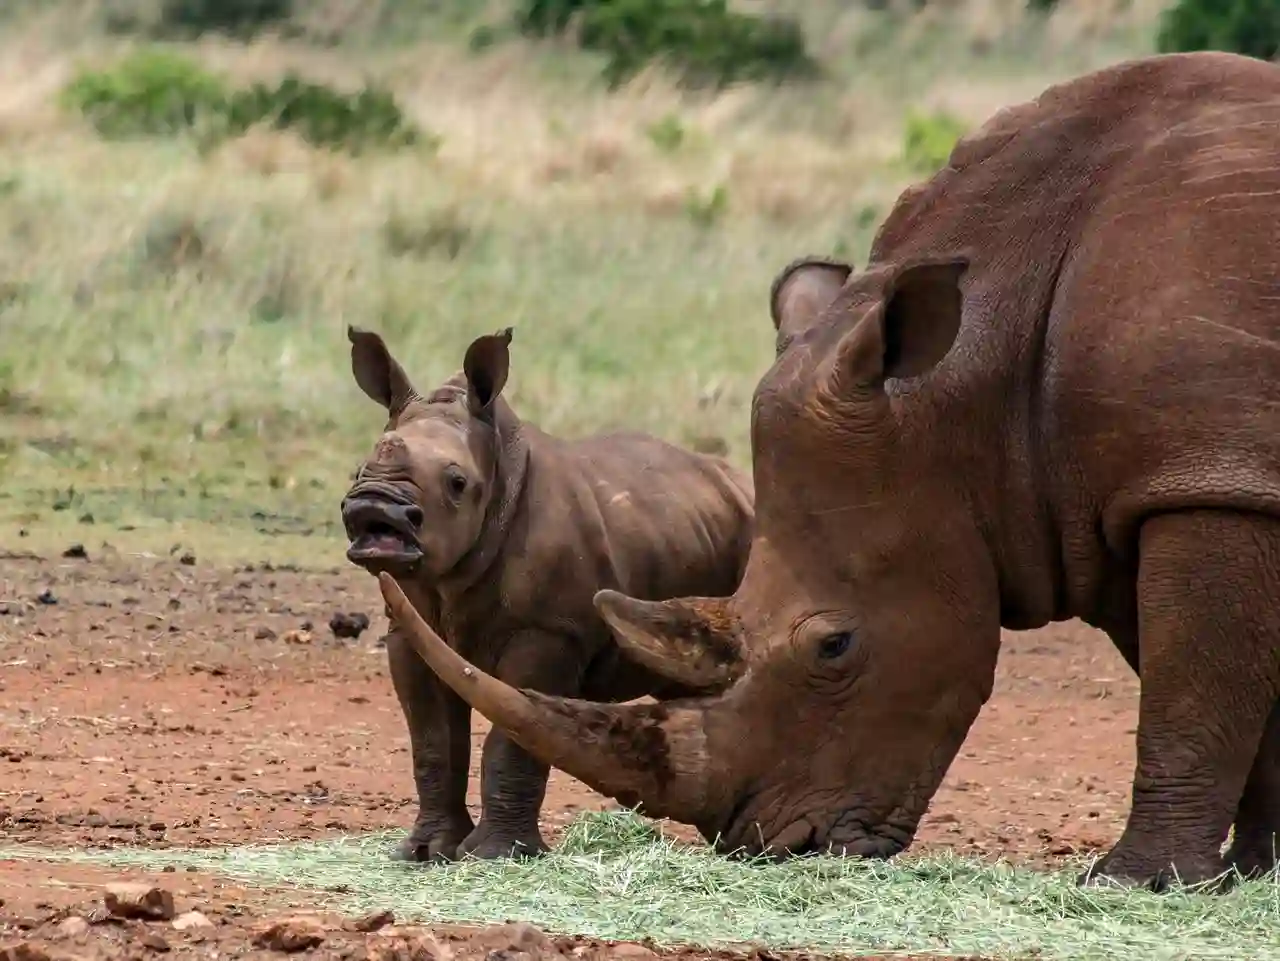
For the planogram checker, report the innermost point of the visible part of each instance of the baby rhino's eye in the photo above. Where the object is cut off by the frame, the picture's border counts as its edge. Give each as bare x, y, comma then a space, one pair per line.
455, 483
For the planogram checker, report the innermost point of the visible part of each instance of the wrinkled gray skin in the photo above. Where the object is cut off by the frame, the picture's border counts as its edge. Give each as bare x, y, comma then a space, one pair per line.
500, 535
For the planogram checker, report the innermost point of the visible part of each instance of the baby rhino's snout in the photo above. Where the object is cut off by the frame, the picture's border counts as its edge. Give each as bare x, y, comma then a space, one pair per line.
383, 534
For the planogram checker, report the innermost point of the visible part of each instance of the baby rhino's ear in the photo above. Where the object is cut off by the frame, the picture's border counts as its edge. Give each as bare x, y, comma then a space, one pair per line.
486, 365
376, 371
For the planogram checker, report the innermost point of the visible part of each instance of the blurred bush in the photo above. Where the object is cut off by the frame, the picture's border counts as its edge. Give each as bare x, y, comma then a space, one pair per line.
324, 116
928, 141
236, 17
149, 93
156, 93
1249, 27
704, 41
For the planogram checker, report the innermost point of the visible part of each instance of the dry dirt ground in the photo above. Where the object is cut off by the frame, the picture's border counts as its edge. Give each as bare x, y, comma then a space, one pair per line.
160, 701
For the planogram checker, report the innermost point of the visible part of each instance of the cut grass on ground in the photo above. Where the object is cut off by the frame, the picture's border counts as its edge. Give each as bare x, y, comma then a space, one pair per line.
614, 877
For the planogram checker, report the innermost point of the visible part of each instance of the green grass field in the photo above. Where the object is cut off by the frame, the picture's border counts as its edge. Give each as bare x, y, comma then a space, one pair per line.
174, 359
613, 877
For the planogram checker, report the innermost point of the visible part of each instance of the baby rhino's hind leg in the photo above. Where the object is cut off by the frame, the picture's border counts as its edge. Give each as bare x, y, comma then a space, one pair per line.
513, 783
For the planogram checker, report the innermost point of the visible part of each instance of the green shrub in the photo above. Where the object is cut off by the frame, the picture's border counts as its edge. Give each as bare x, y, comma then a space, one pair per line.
155, 93
542, 18
1249, 27
149, 93
237, 17
666, 134
928, 141
707, 211
323, 116
703, 40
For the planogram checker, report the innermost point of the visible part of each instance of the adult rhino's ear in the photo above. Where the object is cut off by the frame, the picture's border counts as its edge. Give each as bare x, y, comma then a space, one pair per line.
693, 641
486, 365
802, 291
376, 371
910, 330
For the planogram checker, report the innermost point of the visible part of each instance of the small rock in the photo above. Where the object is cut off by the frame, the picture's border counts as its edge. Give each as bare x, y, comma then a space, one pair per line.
407, 944
348, 625
629, 951
139, 901
73, 927
76, 551
24, 951
374, 922
155, 942
190, 921
289, 935
187, 558
297, 637
264, 634
46, 597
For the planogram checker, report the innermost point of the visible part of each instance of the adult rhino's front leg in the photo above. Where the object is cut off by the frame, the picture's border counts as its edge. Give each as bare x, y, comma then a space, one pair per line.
439, 725
513, 783
1209, 660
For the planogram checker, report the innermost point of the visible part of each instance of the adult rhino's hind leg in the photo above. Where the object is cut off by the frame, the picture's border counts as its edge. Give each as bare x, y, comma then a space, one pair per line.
1209, 662
1257, 828
513, 783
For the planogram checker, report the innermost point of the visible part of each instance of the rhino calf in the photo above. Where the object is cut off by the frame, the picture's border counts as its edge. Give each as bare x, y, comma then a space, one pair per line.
500, 536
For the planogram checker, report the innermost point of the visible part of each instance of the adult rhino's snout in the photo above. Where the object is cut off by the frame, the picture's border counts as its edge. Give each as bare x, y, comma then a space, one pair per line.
383, 534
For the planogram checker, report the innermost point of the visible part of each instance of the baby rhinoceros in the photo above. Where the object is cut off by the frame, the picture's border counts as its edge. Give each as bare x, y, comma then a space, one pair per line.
500, 535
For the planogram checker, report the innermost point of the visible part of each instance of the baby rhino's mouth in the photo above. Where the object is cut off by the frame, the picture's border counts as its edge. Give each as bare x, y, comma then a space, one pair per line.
383, 535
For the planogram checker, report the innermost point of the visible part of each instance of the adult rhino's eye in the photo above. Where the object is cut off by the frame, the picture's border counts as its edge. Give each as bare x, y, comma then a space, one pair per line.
834, 645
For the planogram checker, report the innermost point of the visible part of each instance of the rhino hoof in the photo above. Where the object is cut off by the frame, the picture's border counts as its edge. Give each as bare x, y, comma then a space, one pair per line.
431, 851
1205, 878
497, 846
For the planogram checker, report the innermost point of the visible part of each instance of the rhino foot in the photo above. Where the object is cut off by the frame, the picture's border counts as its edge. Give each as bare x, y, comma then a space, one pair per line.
1209, 875
1253, 858
495, 843
419, 847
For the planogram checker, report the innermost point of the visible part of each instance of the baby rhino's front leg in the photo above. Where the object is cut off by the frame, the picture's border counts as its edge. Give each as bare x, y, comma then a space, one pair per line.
439, 725
513, 784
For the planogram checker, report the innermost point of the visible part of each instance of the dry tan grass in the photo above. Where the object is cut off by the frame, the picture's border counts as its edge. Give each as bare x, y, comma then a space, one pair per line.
133, 355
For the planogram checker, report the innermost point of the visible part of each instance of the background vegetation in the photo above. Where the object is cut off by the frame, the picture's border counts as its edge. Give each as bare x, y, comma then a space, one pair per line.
196, 197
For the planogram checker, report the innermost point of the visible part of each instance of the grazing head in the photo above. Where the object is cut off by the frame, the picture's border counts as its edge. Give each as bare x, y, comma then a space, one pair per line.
841, 678
418, 504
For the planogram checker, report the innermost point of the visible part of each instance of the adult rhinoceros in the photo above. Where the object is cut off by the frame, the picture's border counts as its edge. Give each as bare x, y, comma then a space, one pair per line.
1053, 393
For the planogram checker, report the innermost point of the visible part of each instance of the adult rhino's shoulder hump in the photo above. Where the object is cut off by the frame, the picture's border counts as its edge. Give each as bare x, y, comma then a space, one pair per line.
1098, 115
1113, 93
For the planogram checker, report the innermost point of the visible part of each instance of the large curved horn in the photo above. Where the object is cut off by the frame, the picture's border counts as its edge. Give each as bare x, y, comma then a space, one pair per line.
648, 754
692, 641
